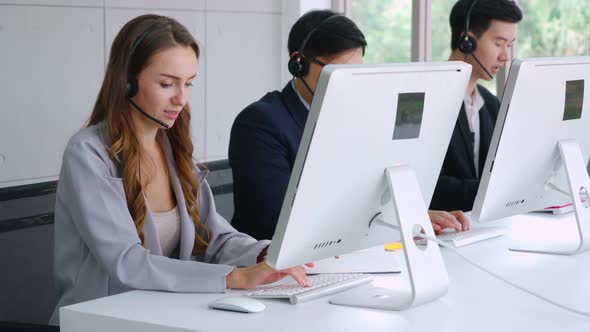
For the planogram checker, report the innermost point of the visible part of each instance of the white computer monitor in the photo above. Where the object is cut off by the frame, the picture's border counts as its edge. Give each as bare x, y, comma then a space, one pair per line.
540, 148
372, 150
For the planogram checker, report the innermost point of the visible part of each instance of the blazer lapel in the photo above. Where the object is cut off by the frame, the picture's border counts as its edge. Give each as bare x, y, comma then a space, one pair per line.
486, 129
467, 138
187, 227
150, 234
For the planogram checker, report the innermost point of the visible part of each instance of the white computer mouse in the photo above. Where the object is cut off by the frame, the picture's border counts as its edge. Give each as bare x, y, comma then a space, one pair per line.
237, 303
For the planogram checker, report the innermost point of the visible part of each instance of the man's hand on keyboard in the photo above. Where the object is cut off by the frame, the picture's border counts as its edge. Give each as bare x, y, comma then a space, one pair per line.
261, 274
442, 219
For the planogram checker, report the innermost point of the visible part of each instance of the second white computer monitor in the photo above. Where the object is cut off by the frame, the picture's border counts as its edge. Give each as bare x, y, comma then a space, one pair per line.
363, 119
540, 146
370, 155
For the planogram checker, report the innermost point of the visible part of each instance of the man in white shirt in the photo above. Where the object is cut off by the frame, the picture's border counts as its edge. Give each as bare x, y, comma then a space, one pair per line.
483, 32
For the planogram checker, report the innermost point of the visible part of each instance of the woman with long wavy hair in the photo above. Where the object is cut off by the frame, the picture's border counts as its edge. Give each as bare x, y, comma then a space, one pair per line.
132, 209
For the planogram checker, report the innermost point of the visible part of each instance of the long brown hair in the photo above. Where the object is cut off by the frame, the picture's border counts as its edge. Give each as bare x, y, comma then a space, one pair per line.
132, 48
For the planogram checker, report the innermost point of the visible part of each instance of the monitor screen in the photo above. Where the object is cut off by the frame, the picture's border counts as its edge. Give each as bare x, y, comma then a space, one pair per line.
574, 100
408, 118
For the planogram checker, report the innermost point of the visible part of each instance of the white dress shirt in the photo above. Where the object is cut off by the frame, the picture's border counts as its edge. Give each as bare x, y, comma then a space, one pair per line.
305, 103
473, 105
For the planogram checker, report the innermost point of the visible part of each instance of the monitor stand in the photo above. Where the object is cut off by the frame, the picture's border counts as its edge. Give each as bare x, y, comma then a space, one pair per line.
426, 270
579, 188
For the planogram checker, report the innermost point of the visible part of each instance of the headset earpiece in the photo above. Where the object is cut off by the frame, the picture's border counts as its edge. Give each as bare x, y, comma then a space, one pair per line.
132, 88
298, 65
467, 45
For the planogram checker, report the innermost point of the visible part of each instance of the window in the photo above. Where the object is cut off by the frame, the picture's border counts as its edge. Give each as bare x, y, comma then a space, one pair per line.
549, 28
387, 25
441, 30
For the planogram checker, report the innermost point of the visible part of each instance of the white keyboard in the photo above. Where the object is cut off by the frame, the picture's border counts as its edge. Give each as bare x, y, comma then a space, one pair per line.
459, 239
320, 285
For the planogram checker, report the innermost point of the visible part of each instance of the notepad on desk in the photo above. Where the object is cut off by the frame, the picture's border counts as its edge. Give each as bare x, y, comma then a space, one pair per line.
558, 209
372, 260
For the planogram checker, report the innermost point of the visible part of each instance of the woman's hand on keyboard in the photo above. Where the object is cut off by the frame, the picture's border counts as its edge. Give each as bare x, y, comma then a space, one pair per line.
261, 274
442, 219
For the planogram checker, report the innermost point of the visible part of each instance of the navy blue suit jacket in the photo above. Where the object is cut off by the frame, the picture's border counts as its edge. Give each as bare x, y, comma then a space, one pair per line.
263, 145
458, 182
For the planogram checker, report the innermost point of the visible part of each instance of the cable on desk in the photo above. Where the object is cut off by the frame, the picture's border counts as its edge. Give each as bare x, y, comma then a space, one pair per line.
541, 297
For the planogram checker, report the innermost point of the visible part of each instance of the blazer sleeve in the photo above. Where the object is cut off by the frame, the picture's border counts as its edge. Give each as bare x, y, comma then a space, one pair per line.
453, 193
226, 244
95, 202
261, 172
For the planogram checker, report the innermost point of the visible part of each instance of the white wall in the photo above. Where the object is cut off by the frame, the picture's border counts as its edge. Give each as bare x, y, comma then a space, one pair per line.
51, 64
53, 55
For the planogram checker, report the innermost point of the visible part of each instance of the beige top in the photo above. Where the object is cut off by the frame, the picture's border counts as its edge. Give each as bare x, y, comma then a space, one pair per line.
168, 228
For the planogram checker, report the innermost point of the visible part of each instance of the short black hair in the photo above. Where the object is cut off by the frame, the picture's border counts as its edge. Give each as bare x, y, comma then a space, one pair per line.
481, 18
334, 36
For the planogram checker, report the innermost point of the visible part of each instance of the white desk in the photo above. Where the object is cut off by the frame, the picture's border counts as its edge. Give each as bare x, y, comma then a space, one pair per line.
475, 301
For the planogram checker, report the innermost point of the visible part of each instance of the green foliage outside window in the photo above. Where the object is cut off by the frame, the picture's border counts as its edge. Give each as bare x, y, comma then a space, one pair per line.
387, 25
554, 28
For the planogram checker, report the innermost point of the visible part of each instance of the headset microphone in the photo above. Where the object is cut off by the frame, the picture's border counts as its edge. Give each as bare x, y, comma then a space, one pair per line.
468, 44
166, 126
482, 67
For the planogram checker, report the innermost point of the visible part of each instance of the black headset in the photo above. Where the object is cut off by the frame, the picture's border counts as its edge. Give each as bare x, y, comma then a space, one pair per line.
299, 64
468, 44
132, 85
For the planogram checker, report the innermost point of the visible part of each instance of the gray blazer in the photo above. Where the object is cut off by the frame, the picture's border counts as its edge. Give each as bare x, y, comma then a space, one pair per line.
97, 248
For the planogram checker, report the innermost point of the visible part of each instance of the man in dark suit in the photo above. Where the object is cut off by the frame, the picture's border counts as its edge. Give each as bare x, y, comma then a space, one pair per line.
491, 31
265, 136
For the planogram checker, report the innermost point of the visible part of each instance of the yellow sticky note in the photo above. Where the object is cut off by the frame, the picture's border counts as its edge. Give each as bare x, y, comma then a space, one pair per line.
393, 246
